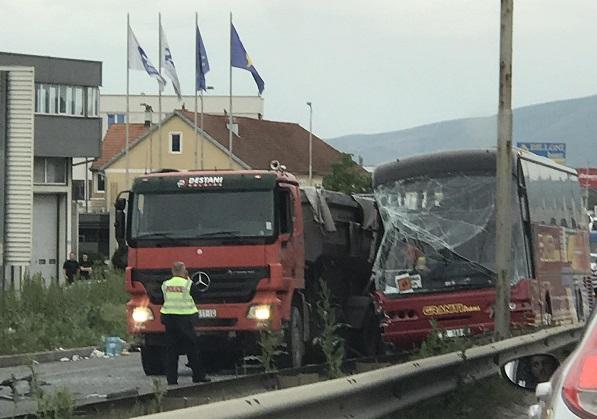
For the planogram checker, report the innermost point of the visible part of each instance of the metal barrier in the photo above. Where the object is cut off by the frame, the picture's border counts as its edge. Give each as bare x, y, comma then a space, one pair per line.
380, 392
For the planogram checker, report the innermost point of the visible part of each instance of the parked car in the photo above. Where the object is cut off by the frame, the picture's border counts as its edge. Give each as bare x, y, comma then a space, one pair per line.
567, 392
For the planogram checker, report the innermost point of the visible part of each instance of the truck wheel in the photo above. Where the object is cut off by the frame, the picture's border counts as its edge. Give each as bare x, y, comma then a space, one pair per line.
371, 335
152, 359
295, 346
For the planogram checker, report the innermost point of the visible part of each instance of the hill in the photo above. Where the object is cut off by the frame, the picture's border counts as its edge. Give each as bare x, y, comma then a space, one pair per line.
572, 121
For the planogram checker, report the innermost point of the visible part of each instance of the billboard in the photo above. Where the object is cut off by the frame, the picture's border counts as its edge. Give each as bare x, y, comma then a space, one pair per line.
587, 176
553, 151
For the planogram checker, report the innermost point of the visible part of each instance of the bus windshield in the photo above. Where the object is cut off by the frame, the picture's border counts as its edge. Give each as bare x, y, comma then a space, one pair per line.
439, 234
205, 215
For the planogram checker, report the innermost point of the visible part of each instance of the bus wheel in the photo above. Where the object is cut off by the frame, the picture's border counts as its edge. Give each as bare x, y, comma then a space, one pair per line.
295, 346
152, 359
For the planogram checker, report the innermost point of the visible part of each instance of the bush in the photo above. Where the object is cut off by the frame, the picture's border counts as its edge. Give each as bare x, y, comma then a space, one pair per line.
39, 318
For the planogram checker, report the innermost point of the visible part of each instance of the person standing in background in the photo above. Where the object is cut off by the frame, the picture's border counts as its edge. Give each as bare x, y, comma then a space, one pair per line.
85, 266
71, 268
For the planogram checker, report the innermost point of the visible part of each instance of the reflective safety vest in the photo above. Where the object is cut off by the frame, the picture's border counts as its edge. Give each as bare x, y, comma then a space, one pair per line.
177, 296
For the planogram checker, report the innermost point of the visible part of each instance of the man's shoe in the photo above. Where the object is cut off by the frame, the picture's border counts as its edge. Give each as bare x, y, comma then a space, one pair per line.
203, 379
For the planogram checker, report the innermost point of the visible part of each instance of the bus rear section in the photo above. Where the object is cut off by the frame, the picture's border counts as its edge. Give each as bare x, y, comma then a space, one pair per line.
436, 260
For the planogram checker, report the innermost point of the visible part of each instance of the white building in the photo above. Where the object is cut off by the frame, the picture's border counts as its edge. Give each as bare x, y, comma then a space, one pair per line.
48, 117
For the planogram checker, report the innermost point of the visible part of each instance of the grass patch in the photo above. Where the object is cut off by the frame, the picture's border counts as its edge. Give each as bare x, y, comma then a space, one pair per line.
40, 318
491, 398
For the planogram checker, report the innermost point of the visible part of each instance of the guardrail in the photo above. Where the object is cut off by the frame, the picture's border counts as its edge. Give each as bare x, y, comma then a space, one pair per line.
381, 392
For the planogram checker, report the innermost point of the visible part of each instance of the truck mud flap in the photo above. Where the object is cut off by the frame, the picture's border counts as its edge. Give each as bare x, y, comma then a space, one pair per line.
355, 310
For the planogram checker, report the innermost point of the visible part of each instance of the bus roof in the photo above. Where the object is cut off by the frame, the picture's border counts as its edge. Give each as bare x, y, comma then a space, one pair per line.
468, 161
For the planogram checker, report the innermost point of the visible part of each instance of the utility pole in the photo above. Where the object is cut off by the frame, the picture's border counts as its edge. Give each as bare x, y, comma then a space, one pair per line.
310, 105
503, 197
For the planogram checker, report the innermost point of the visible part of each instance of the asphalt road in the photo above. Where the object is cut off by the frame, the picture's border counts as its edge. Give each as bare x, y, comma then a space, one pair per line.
87, 379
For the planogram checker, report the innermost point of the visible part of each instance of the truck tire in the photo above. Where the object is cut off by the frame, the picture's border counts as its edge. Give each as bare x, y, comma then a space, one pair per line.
371, 335
295, 346
152, 359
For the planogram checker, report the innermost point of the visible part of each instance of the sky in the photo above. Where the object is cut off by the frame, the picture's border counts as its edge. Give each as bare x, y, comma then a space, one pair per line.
366, 66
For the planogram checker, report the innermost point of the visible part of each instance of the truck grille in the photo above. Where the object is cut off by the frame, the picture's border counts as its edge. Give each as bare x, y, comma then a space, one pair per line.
236, 285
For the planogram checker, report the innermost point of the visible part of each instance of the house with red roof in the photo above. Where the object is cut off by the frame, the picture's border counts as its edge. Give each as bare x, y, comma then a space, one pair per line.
179, 144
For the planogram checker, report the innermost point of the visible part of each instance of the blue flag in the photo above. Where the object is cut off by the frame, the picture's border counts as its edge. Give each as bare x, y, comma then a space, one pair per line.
201, 63
240, 59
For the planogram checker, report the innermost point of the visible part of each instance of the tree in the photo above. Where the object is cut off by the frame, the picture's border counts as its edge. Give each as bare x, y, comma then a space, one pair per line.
347, 176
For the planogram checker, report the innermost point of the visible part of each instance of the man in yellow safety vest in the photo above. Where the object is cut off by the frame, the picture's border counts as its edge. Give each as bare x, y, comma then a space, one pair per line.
179, 316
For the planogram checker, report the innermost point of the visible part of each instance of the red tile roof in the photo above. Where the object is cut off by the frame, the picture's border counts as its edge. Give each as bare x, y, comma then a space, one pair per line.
114, 142
258, 143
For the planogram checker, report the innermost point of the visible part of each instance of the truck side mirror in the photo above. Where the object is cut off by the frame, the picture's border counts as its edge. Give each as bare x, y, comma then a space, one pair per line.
119, 225
120, 204
120, 219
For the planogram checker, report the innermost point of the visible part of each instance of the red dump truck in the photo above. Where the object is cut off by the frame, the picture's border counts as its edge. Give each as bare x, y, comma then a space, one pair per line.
256, 244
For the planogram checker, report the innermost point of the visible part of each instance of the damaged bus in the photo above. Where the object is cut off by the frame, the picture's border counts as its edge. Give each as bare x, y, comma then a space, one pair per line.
436, 260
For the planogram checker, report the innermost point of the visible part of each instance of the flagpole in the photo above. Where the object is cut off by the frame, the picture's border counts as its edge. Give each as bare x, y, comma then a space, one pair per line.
230, 104
202, 132
160, 93
196, 68
126, 148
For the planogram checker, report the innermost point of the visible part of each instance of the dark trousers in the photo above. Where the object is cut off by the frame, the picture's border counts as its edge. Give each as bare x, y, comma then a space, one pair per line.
181, 337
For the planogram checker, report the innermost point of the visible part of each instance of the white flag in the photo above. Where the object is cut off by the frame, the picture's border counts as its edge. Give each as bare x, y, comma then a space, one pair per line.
168, 63
138, 60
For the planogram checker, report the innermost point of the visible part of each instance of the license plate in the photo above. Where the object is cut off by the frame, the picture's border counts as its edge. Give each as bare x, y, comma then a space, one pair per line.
207, 313
453, 333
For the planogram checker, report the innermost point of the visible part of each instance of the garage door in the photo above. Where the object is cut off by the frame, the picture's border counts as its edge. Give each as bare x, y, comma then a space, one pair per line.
45, 236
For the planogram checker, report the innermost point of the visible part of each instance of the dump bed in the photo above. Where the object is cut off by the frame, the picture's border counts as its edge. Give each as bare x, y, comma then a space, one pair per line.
338, 226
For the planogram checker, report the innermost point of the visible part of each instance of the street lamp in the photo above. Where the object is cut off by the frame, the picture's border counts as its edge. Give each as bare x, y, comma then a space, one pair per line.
310, 105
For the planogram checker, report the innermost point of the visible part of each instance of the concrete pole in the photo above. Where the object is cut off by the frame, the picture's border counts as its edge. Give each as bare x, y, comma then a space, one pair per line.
230, 98
310, 105
504, 177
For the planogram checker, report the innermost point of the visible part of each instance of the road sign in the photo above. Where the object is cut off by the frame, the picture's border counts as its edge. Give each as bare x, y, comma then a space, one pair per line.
553, 151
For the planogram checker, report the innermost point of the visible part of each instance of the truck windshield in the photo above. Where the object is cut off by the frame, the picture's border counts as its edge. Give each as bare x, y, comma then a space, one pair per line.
439, 234
204, 215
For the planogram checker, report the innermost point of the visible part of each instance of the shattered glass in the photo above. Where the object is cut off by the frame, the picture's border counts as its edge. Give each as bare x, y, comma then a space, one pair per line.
439, 233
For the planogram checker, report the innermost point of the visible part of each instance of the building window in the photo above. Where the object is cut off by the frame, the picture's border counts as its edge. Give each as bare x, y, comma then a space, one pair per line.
115, 118
57, 99
49, 170
92, 101
100, 183
176, 142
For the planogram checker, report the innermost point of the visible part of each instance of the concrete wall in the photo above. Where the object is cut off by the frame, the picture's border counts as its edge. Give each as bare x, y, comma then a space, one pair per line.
66, 136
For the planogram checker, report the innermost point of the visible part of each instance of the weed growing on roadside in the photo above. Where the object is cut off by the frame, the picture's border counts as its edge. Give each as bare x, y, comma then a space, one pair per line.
270, 343
436, 344
38, 317
159, 391
57, 405
330, 341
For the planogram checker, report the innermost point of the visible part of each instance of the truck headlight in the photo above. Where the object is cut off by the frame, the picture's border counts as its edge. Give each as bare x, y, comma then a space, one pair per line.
142, 314
259, 312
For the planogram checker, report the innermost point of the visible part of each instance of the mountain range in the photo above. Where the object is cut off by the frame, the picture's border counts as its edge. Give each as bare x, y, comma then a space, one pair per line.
571, 121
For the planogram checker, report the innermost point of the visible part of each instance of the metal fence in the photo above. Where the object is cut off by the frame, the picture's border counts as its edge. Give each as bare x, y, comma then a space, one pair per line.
380, 392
